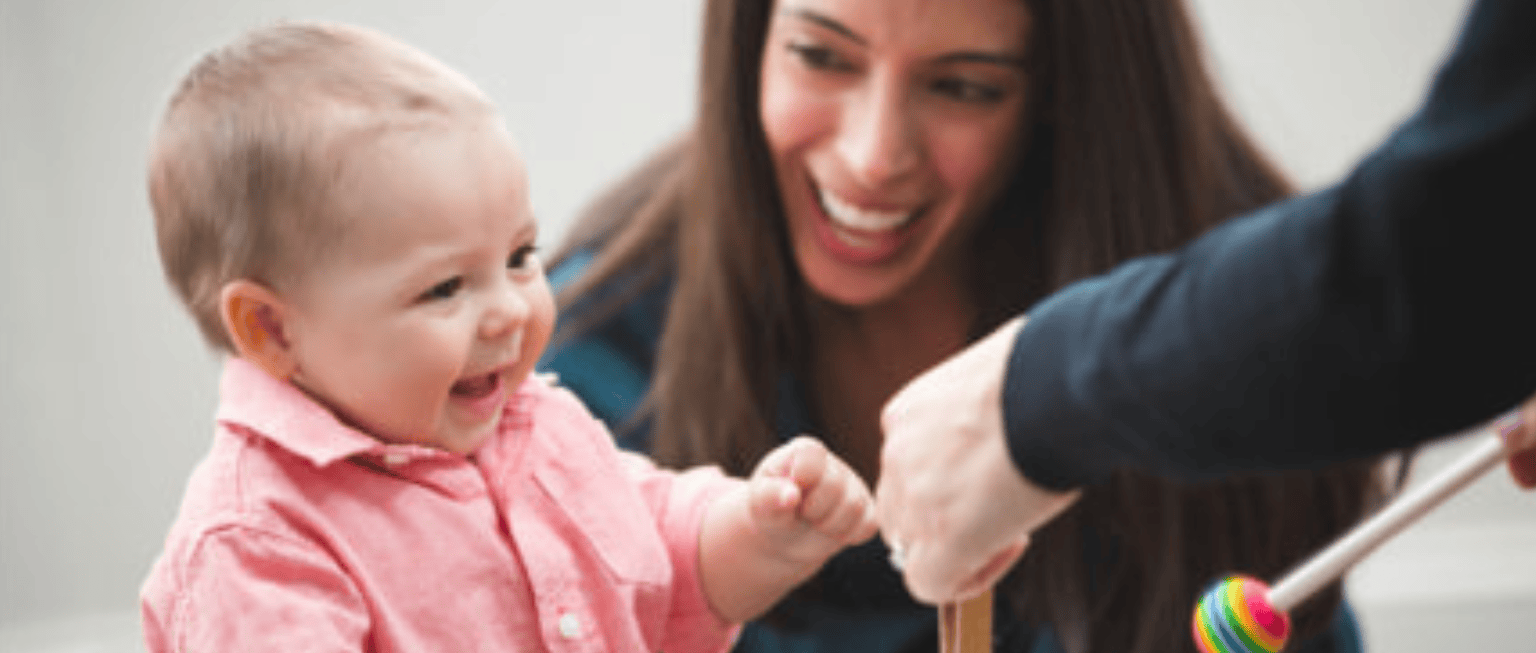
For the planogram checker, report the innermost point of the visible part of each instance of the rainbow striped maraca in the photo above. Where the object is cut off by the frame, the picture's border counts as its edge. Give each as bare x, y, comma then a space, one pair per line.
1236, 615
1242, 615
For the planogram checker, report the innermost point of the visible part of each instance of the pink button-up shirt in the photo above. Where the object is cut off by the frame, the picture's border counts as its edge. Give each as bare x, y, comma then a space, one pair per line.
299, 533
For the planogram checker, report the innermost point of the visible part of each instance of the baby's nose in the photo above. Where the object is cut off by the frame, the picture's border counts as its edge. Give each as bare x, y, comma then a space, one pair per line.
507, 310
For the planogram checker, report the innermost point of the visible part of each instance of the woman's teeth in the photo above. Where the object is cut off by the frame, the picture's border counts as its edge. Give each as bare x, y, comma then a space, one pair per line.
849, 216
851, 239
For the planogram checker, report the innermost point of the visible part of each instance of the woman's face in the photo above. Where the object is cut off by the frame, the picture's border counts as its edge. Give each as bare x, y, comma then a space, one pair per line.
892, 124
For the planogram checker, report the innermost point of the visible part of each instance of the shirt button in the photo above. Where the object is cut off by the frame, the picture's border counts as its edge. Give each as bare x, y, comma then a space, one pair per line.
570, 626
396, 459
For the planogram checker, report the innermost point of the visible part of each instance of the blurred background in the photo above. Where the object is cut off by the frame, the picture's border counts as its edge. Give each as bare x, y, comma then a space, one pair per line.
106, 393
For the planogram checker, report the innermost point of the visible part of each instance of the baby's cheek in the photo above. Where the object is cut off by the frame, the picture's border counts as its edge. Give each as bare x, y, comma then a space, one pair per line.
536, 334
421, 389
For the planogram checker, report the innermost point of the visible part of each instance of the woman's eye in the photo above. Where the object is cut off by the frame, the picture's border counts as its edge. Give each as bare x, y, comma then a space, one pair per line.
819, 57
965, 90
444, 290
522, 257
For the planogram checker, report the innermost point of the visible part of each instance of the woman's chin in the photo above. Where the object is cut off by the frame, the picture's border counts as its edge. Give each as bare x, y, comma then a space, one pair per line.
850, 288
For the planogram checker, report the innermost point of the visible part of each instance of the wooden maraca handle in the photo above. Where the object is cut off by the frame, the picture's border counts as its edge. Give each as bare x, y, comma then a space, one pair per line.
966, 627
1359, 542
1243, 615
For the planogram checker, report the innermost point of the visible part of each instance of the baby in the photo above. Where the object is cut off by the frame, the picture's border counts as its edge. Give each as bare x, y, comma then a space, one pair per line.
347, 219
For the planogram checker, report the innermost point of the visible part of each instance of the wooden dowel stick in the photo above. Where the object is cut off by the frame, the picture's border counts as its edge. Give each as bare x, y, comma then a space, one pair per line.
1333, 561
966, 627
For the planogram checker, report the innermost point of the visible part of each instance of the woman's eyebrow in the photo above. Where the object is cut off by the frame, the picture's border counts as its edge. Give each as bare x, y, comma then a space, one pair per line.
824, 21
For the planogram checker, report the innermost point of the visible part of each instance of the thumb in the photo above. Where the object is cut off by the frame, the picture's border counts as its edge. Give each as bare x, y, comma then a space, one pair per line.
1519, 433
1522, 466
991, 572
774, 501
933, 574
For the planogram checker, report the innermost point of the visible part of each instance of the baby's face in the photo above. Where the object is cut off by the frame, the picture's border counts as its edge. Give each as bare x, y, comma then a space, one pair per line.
434, 307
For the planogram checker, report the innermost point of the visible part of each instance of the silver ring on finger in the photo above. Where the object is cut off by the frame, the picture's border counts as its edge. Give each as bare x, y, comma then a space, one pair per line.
898, 556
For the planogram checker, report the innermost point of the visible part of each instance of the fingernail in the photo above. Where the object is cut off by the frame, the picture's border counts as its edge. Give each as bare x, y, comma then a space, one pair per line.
787, 496
1507, 425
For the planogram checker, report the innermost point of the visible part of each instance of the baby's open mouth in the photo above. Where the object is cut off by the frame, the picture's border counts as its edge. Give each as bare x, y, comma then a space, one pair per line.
477, 387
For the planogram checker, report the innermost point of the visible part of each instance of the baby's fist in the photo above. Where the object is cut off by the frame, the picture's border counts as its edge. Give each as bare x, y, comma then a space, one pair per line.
809, 501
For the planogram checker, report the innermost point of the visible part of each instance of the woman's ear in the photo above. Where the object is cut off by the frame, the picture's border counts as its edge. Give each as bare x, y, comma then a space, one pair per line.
254, 319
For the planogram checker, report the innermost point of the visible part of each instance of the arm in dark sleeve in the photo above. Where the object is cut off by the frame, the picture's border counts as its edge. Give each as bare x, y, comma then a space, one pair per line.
1369, 316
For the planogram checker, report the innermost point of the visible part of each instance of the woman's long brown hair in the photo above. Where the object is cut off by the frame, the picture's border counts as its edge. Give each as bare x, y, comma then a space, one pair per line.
1130, 152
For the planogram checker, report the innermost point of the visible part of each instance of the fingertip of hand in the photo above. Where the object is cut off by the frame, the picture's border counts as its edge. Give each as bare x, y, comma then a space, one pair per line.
1518, 428
805, 445
863, 528
925, 594
788, 495
1522, 466
870, 530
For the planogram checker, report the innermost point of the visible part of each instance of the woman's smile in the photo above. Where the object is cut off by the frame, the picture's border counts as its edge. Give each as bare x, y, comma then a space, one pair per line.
858, 235
890, 136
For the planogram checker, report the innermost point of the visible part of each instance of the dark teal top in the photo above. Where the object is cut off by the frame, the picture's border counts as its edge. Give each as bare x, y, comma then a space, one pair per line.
860, 604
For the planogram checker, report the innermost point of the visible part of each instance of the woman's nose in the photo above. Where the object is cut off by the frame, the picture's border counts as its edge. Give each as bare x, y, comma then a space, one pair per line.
506, 310
877, 139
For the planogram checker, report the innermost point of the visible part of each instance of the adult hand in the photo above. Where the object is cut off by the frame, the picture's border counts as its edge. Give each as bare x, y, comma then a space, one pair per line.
1520, 441
954, 508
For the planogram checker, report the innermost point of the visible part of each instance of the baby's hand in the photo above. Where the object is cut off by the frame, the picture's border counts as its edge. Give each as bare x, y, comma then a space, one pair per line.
808, 503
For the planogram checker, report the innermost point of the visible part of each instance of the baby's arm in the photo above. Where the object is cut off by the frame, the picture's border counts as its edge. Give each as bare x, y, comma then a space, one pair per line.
801, 505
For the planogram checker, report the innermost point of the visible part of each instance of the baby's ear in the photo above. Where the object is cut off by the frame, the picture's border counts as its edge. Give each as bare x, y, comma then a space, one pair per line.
254, 318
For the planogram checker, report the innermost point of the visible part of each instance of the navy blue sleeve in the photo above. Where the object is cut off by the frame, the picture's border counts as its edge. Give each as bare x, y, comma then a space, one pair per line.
1369, 316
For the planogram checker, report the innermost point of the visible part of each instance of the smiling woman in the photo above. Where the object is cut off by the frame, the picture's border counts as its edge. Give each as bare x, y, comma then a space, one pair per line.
887, 139
869, 186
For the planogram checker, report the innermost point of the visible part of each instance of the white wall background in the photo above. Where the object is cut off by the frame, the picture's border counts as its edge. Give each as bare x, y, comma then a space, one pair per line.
106, 394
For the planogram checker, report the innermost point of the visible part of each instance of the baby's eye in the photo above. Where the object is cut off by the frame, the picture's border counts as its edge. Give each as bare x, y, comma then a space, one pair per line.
445, 290
522, 257
819, 57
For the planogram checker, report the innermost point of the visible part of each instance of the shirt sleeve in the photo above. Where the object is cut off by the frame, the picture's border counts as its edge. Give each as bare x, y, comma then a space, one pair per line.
1368, 316
679, 500
244, 589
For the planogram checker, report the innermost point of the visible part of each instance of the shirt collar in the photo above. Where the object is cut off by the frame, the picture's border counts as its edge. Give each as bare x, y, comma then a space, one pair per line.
252, 400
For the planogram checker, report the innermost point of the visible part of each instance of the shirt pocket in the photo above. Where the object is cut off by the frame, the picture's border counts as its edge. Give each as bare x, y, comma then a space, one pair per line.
600, 514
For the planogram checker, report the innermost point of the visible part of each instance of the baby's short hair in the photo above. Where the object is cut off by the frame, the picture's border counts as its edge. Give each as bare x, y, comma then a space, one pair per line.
257, 133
